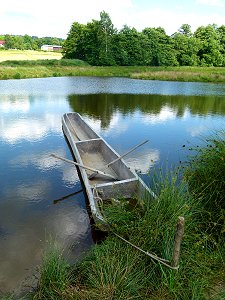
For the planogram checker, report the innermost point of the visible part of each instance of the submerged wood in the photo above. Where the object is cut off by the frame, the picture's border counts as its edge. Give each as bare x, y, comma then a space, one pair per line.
67, 196
89, 149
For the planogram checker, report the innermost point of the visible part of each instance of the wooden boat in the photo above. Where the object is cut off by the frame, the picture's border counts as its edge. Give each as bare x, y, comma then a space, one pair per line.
92, 150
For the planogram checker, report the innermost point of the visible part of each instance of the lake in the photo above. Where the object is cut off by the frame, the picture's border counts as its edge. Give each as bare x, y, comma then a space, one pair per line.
37, 193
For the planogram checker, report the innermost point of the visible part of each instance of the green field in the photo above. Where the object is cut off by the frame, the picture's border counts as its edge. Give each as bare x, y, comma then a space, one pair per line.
27, 55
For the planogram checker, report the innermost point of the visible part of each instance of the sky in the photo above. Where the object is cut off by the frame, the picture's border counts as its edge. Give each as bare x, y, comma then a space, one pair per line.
54, 18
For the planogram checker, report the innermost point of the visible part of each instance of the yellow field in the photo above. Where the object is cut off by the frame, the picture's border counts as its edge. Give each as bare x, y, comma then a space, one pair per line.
27, 55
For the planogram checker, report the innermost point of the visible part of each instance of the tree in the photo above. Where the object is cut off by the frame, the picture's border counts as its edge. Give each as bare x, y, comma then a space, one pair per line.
210, 47
132, 46
91, 42
74, 44
221, 35
105, 37
28, 42
162, 48
186, 46
9, 42
185, 29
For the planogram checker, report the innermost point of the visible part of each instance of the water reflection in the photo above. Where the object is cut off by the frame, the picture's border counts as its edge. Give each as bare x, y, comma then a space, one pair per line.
38, 193
66, 224
168, 121
13, 130
45, 162
30, 130
103, 107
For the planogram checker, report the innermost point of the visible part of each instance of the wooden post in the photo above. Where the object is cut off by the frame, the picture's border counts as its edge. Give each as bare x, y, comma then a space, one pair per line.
177, 242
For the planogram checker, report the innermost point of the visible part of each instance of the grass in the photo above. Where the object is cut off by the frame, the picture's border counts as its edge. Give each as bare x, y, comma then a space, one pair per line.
9, 69
205, 174
185, 74
54, 274
114, 270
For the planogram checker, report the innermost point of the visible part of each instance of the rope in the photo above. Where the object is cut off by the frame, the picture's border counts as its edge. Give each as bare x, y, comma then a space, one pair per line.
160, 260
97, 197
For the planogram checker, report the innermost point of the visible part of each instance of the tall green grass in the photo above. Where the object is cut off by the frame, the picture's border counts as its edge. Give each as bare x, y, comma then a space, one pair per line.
205, 175
54, 274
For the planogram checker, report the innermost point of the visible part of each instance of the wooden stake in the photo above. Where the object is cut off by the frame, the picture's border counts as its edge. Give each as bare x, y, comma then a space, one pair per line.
177, 242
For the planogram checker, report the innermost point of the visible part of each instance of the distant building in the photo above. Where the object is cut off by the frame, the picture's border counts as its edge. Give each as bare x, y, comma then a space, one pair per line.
51, 48
2, 43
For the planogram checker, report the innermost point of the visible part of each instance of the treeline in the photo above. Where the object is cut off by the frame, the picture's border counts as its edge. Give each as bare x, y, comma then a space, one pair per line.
100, 43
26, 42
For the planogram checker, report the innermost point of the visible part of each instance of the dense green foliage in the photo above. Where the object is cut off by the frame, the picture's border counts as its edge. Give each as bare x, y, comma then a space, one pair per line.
100, 43
26, 42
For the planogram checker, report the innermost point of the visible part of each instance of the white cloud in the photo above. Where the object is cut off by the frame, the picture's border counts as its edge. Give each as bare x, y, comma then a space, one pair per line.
166, 113
19, 105
54, 18
196, 130
15, 130
114, 128
30, 192
44, 161
48, 18
143, 160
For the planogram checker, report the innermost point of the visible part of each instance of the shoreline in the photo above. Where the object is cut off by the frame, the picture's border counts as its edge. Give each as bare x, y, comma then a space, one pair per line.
183, 74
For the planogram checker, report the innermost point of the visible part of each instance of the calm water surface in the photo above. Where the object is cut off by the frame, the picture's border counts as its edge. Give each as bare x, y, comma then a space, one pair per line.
125, 112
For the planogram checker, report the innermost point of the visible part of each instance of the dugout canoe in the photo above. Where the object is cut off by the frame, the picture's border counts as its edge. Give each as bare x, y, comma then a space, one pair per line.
91, 150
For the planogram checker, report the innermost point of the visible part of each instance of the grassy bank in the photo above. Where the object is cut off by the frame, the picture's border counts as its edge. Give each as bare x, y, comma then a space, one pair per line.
19, 69
114, 270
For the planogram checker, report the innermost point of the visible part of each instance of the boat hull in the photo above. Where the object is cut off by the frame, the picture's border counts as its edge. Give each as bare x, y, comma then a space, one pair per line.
92, 150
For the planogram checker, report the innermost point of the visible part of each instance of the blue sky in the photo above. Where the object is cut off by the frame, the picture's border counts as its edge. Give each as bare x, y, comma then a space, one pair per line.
54, 18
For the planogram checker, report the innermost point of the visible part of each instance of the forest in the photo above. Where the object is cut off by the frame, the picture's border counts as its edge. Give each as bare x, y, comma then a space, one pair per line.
99, 43
26, 42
